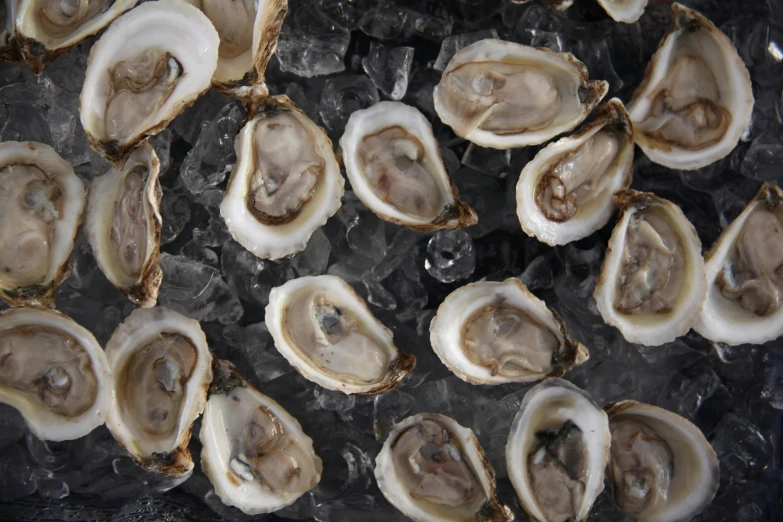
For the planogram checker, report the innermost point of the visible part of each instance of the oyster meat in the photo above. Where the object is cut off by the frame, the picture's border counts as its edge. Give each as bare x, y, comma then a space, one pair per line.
504, 95
745, 275
394, 165
652, 284
286, 182
565, 193
432, 469
499, 332
147, 67
123, 225
162, 368
626, 11
54, 372
254, 452
696, 99
41, 208
328, 334
557, 451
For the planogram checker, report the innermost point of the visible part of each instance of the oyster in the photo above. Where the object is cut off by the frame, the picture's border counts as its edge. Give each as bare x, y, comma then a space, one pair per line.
745, 275
162, 369
286, 182
498, 332
394, 165
9, 46
557, 451
662, 467
41, 208
54, 372
46, 28
147, 67
432, 469
327, 333
248, 32
123, 225
627, 11
652, 284
254, 452
565, 193
696, 98
504, 95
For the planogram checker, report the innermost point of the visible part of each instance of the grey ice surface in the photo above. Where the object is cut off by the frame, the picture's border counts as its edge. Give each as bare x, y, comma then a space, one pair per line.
338, 56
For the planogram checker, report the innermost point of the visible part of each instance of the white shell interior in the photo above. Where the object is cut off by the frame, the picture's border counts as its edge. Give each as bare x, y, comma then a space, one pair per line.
627, 11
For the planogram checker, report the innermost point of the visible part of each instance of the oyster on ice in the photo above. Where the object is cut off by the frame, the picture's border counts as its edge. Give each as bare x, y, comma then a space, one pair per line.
46, 28
565, 193
147, 67
123, 226
499, 332
557, 451
662, 467
162, 368
328, 334
254, 452
504, 95
432, 469
626, 11
41, 208
745, 275
394, 165
696, 98
652, 284
54, 372
286, 182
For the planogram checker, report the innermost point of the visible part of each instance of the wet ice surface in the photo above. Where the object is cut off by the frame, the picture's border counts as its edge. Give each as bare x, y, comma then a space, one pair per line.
336, 56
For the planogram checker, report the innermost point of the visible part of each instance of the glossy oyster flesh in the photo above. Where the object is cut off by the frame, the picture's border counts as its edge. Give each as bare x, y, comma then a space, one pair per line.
499, 332
254, 452
41, 207
394, 165
328, 334
433, 469
54, 372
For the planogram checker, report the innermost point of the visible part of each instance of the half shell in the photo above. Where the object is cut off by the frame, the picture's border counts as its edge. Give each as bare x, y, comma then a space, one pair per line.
626, 11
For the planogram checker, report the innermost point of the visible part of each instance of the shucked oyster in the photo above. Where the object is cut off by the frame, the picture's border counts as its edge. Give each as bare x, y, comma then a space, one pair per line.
254, 452
503, 95
745, 275
147, 67
286, 182
41, 207
123, 226
162, 369
627, 11
432, 469
54, 372
493, 333
565, 193
696, 99
652, 284
328, 334
557, 451
393, 163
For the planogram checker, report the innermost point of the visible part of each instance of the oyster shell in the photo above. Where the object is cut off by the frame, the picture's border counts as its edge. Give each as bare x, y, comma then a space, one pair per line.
565, 193
162, 369
147, 67
328, 334
498, 332
394, 165
286, 182
432, 469
696, 99
557, 451
652, 284
254, 452
9, 46
54, 372
626, 11
41, 208
662, 467
504, 95
745, 275
123, 225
